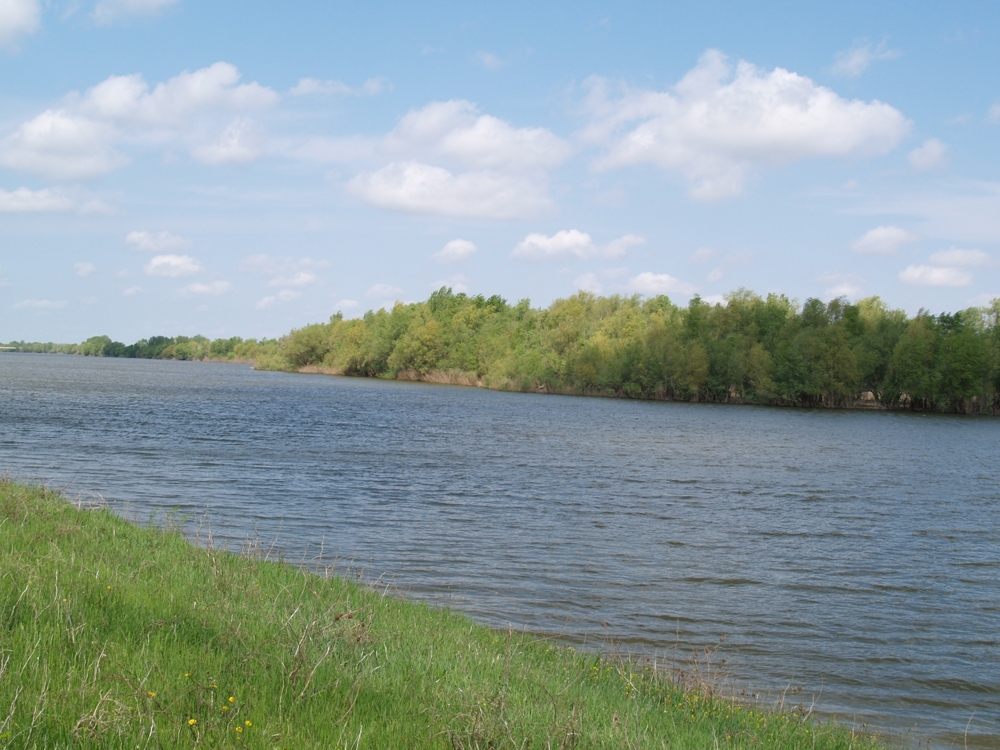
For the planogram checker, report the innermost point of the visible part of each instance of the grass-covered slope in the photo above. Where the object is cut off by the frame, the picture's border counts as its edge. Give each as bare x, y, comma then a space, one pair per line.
115, 636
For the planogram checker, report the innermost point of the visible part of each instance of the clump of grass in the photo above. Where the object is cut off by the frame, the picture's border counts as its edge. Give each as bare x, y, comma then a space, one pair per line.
112, 635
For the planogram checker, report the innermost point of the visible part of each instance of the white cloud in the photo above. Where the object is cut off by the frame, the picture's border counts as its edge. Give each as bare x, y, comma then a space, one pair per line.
383, 291
212, 289
588, 282
490, 61
651, 284
173, 266
983, 300
420, 188
965, 258
935, 276
456, 251
18, 18
128, 99
107, 11
283, 272
930, 154
450, 160
62, 145
239, 142
848, 285
285, 295
458, 283
714, 275
155, 243
24, 201
571, 243
993, 115
131, 291
715, 299
41, 304
83, 138
84, 269
719, 122
309, 86
855, 61
297, 279
704, 254
456, 132
884, 240
619, 248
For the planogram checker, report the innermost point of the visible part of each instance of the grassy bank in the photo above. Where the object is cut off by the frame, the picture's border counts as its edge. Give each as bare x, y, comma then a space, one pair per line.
112, 635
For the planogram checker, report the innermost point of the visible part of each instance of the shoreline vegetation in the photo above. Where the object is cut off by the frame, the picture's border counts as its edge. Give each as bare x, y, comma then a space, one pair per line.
116, 635
750, 349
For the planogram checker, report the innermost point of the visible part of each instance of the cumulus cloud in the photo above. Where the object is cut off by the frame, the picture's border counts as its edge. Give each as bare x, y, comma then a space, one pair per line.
47, 200
287, 273
884, 240
456, 132
843, 284
956, 256
588, 282
383, 291
424, 189
297, 279
572, 243
935, 276
239, 142
61, 145
18, 18
173, 266
449, 159
457, 283
107, 11
720, 121
84, 269
490, 61
311, 86
930, 154
285, 295
652, 284
211, 289
155, 242
456, 251
704, 254
41, 304
853, 62
84, 138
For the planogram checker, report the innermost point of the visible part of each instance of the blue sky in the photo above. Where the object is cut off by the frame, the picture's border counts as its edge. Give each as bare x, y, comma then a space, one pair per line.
244, 168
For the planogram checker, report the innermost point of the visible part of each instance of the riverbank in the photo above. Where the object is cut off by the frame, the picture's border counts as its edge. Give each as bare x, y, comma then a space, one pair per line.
116, 635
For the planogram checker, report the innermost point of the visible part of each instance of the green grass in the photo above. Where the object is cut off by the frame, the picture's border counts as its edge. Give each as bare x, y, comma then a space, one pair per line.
112, 635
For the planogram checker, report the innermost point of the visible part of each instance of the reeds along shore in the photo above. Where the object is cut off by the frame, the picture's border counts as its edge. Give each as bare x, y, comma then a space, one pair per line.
747, 349
117, 636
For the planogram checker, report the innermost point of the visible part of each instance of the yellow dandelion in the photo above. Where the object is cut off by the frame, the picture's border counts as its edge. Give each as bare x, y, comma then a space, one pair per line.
109, 588
225, 708
150, 693
187, 674
248, 723
239, 729
232, 699
192, 722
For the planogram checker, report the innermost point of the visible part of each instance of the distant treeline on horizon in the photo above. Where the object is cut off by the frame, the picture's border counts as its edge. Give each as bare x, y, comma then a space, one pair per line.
748, 350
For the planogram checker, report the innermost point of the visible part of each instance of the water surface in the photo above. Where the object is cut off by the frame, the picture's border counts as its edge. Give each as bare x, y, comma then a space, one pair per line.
855, 554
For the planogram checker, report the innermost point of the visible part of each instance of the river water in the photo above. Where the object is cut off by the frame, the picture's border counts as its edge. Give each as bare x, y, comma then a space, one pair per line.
854, 554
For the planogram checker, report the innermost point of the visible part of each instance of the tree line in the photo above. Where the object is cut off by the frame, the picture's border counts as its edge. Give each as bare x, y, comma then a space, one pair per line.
748, 349
161, 347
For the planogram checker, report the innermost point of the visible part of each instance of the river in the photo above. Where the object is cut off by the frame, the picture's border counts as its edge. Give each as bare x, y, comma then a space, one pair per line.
854, 554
